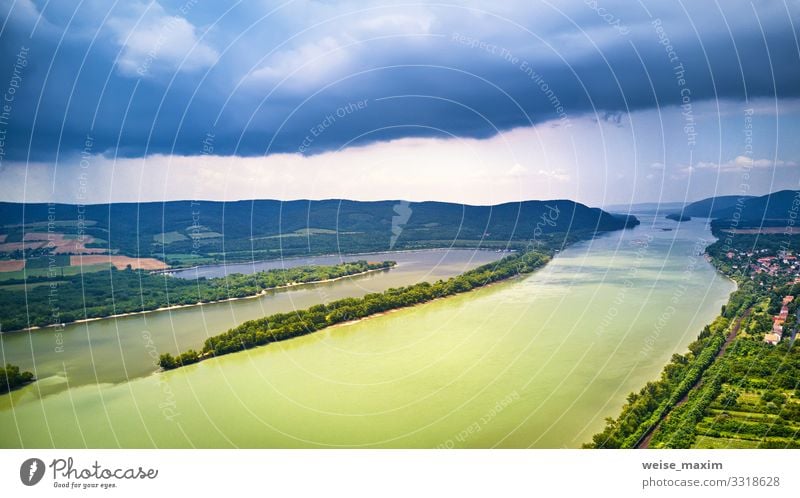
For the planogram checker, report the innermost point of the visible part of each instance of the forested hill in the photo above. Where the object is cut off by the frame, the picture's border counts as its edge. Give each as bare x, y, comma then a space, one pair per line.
708, 208
775, 209
775, 206
269, 228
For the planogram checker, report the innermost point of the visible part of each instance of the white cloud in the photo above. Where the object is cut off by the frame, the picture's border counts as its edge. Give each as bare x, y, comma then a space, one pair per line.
583, 162
313, 63
740, 164
395, 24
558, 175
153, 41
473, 171
338, 52
517, 169
683, 172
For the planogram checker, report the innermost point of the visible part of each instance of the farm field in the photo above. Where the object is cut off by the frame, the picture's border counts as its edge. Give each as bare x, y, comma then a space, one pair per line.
119, 262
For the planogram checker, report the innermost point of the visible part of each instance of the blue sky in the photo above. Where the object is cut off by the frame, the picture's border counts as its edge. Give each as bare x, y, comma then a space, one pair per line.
598, 101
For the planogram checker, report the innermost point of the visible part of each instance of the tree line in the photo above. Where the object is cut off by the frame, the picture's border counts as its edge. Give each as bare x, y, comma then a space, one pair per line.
283, 326
643, 410
105, 293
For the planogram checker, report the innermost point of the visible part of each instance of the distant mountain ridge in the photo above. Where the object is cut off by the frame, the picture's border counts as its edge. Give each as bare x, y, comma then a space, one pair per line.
709, 208
777, 208
271, 228
646, 207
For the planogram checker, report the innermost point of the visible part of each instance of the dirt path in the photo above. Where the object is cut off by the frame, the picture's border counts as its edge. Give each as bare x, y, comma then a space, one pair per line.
644, 443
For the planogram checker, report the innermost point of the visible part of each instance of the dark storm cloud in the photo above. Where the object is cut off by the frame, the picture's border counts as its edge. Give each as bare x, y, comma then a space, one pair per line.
161, 78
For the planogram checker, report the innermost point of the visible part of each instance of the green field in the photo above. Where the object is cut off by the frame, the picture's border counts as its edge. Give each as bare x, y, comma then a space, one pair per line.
46, 261
22, 287
168, 237
60, 271
59, 224
204, 235
714, 443
188, 259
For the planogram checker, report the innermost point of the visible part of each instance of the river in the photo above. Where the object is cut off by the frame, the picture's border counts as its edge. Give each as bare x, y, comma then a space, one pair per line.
121, 348
533, 362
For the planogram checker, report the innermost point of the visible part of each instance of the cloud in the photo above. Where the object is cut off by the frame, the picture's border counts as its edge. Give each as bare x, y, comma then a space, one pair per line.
313, 63
740, 164
558, 175
517, 169
683, 172
154, 41
417, 169
405, 60
584, 163
308, 65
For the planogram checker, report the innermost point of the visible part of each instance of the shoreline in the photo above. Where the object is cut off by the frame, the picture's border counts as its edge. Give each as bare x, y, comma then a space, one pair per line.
263, 292
201, 357
644, 441
387, 312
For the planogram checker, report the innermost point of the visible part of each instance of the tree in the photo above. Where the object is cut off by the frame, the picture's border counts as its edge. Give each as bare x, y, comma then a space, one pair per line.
11, 378
167, 361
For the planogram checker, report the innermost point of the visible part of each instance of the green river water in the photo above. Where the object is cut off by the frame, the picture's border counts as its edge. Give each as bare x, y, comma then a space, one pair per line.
538, 361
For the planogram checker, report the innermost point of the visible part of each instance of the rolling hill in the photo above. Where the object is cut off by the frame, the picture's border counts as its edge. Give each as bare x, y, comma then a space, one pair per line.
776, 209
180, 231
708, 208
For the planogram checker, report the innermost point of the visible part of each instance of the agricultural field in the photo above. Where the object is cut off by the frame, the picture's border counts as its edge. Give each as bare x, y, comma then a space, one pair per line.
167, 238
11, 265
58, 271
758, 405
63, 243
119, 262
188, 259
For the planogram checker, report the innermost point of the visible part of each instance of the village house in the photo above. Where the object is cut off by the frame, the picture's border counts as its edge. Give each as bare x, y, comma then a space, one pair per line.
778, 321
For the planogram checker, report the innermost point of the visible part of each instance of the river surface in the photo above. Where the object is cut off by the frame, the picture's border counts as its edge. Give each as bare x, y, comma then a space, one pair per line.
538, 361
121, 348
432, 259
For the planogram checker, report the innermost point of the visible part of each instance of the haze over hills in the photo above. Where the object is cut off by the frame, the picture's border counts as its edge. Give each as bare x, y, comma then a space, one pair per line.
645, 207
269, 228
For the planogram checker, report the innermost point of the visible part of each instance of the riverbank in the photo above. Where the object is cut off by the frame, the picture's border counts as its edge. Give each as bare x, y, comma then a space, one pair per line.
388, 312
286, 326
262, 293
646, 412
